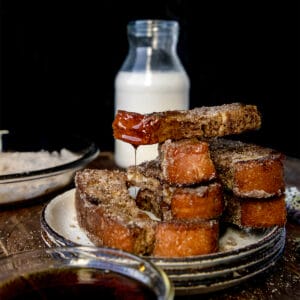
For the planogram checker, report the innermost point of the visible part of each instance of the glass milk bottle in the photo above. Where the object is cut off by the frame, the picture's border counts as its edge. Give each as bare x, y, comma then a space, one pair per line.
151, 79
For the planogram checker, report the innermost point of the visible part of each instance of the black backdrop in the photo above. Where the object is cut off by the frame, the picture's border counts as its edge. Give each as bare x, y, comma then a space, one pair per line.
59, 60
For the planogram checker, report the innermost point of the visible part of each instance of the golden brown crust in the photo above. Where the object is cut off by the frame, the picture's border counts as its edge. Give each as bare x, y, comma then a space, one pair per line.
120, 223
255, 213
177, 208
202, 201
186, 162
109, 214
205, 202
248, 170
180, 239
203, 122
106, 230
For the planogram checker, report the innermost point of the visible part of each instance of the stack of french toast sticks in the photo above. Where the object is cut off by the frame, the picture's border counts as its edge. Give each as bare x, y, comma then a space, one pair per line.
199, 182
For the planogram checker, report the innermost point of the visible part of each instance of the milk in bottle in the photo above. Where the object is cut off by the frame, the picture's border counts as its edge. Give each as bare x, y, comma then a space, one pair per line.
151, 79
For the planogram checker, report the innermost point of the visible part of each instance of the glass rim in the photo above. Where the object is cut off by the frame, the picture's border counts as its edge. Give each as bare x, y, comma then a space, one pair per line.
97, 258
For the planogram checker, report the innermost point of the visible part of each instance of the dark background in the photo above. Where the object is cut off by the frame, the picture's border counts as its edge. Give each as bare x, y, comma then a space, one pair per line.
59, 60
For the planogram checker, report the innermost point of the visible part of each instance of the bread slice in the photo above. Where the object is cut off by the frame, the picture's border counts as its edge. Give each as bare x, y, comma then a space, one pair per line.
214, 121
109, 215
181, 163
186, 162
182, 239
248, 170
255, 213
205, 202
154, 203
171, 202
147, 175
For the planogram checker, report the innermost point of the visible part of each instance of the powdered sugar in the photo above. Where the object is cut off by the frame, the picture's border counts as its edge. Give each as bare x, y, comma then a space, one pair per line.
25, 162
19, 162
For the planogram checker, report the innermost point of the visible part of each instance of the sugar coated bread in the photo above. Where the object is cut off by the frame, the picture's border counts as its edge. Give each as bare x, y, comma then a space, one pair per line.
255, 213
194, 238
248, 170
180, 163
214, 121
205, 202
186, 162
111, 217
200, 201
173, 206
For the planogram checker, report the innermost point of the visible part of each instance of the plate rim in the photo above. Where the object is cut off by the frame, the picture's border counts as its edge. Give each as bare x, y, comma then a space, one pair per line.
190, 283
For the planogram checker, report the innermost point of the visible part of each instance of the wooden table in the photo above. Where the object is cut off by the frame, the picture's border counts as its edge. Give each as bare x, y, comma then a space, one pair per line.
20, 230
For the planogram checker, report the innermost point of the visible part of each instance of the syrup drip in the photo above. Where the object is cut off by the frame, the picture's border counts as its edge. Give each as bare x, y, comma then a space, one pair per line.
135, 147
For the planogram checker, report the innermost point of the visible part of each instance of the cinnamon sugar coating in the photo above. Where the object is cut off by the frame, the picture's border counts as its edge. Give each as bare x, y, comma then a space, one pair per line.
214, 121
111, 217
255, 213
186, 162
248, 170
200, 201
180, 198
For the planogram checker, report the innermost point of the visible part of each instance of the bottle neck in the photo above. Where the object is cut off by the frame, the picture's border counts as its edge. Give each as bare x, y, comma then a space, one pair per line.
153, 33
166, 42
152, 46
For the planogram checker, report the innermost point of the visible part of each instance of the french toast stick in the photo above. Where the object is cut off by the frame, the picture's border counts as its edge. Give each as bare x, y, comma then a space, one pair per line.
248, 170
203, 122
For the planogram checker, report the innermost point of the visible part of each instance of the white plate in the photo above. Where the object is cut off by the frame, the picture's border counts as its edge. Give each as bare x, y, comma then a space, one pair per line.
242, 255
